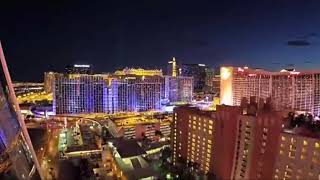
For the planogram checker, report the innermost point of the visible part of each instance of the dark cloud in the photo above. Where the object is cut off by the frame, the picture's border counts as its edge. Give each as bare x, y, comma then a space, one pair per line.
310, 35
298, 43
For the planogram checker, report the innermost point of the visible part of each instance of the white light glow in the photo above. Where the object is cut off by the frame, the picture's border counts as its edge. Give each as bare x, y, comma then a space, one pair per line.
225, 73
226, 96
82, 65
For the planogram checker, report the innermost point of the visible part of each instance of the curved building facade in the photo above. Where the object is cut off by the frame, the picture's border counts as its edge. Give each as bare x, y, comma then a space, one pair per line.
17, 157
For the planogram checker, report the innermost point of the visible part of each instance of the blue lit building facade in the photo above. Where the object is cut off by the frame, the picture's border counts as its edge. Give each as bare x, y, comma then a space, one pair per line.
17, 157
79, 94
139, 93
83, 93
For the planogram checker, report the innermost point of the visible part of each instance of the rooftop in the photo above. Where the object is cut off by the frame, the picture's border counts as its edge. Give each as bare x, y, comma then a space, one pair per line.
195, 110
253, 71
303, 131
128, 148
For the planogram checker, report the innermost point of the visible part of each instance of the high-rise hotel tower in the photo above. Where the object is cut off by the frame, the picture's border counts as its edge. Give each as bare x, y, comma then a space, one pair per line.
288, 89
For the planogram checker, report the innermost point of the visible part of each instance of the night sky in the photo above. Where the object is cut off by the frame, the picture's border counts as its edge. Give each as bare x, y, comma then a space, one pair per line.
44, 36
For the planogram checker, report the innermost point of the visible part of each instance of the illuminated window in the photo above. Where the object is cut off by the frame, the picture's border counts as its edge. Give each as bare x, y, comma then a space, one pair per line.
193, 144
281, 152
209, 141
210, 122
292, 148
210, 127
194, 117
282, 145
210, 132
305, 143
303, 150
209, 146
302, 157
283, 138
276, 177
317, 145
292, 154
265, 130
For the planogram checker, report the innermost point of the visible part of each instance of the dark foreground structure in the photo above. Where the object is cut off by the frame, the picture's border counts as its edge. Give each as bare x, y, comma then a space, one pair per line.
17, 156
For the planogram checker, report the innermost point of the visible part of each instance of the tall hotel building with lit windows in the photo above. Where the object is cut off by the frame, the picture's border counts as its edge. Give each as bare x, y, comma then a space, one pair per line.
256, 141
17, 156
246, 140
48, 81
83, 93
298, 156
287, 89
139, 93
192, 137
79, 93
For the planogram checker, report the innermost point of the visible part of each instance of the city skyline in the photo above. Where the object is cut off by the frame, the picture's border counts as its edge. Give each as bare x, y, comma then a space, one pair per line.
114, 35
170, 90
